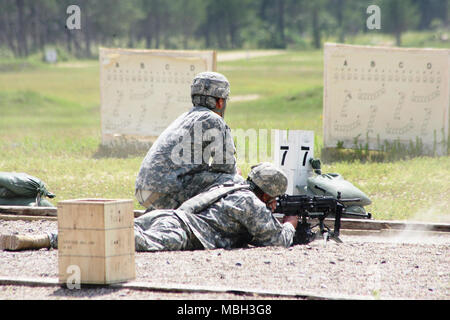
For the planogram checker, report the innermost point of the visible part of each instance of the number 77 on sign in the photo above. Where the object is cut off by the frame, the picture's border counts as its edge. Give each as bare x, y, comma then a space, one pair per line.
292, 151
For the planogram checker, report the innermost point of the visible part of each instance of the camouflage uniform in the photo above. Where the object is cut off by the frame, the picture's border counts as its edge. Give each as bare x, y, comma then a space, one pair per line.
226, 216
53, 236
162, 230
234, 221
223, 217
164, 183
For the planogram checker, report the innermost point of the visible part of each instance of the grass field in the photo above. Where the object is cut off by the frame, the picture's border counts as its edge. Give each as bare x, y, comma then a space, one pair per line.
50, 128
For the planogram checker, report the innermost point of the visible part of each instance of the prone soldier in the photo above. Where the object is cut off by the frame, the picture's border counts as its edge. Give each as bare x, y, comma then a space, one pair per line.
226, 216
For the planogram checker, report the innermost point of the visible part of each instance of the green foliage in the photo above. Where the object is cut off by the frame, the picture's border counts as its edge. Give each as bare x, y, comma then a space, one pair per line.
28, 27
399, 16
386, 151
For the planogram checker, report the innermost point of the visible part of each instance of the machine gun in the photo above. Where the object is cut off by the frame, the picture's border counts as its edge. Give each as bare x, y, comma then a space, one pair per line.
315, 207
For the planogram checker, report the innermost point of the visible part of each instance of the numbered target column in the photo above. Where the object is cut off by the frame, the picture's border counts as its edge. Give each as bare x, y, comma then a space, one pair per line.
292, 151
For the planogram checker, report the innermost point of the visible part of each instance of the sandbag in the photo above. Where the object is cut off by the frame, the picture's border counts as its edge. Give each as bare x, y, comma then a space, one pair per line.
22, 189
6, 193
27, 202
331, 183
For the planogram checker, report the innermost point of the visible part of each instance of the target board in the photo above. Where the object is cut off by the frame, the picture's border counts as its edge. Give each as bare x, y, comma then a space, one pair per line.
292, 152
143, 91
376, 95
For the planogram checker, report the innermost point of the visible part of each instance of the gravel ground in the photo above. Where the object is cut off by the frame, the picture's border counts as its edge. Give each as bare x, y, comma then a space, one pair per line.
403, 267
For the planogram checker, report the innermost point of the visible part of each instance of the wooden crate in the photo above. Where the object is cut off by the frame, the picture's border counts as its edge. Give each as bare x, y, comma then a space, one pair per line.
97, 236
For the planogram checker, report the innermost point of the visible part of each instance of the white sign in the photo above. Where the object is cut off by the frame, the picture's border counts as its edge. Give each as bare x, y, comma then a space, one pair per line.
143, 91
292, 152
383, 95
51, 56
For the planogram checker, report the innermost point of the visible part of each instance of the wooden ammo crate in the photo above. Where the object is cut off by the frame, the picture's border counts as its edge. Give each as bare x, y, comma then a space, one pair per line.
96, 235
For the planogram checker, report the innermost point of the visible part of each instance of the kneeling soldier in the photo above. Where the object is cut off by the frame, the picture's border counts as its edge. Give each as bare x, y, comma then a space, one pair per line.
166, 179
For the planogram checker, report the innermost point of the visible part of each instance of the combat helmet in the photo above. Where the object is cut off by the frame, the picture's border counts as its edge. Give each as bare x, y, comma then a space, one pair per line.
269, 179
207, 87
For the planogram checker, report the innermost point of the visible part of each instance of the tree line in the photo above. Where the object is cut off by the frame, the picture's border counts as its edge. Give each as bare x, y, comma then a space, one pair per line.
29, 26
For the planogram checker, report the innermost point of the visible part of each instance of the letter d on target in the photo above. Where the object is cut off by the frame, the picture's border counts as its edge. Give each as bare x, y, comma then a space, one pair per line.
74, 280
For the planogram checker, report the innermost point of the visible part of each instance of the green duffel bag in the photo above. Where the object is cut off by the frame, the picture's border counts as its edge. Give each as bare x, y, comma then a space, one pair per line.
28, 202
6, 194
19, 188
331, 183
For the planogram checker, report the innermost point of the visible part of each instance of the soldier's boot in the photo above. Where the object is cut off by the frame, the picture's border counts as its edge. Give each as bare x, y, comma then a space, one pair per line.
21, 242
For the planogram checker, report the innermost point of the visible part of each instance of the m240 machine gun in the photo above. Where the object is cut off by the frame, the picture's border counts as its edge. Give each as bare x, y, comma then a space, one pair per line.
309, 208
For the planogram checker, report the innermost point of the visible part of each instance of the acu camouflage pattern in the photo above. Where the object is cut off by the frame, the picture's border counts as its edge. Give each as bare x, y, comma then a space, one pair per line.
161, 230
205, 199
209, 86
237, 219
53, 236
155, 231
158, 173
269, 179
